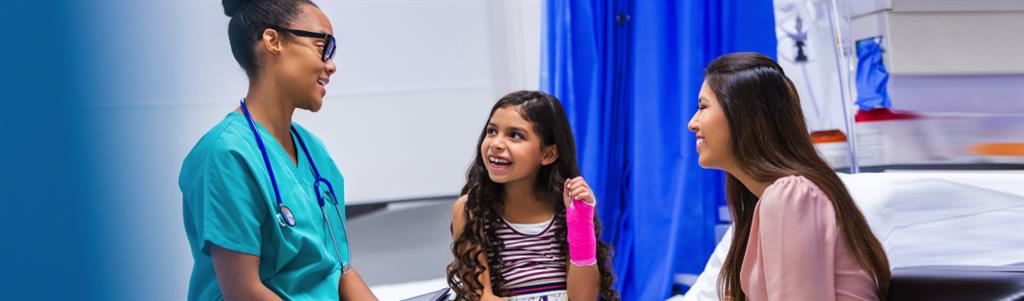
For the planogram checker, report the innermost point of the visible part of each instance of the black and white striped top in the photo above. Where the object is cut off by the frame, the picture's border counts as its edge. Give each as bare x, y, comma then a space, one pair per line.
531, 262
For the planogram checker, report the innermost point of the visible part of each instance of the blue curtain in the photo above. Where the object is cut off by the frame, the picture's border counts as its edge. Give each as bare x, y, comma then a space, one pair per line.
628, 73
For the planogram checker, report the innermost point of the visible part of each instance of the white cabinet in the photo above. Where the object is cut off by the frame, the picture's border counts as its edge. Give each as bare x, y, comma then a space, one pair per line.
945, 37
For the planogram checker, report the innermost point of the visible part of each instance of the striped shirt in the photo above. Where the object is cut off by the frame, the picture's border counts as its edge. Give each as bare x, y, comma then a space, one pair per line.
531, 261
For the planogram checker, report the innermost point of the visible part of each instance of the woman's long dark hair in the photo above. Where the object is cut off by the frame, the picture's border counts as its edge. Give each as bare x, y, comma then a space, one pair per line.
484, 203
769, 141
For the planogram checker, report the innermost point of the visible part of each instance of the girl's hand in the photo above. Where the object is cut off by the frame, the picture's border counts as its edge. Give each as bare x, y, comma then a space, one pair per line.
577, 189
579, 218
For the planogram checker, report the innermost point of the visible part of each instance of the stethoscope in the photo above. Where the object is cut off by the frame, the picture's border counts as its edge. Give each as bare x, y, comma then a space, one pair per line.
284, 215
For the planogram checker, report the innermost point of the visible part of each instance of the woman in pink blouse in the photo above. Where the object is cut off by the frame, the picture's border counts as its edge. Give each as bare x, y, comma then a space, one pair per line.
798, 234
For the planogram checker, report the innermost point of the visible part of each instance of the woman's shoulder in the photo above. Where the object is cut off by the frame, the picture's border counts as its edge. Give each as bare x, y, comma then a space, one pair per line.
224, 138
795, 202
794, 183
226, 144
794, 192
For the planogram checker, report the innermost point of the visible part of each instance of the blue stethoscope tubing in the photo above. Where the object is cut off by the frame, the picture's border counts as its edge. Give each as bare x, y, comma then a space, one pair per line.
284, 215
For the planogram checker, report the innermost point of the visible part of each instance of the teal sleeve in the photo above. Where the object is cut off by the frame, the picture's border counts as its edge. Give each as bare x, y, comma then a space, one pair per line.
233, 205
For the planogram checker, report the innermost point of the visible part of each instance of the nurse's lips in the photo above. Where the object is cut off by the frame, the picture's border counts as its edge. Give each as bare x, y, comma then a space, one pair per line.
322, 84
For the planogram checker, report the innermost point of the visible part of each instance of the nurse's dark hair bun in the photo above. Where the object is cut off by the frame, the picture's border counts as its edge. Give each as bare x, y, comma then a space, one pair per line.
231, 6
249, 18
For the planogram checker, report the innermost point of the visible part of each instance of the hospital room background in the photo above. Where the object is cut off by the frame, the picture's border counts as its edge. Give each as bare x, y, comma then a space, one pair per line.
919, 104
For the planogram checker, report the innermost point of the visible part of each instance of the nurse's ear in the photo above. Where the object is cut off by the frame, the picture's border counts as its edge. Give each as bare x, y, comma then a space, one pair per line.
271, 41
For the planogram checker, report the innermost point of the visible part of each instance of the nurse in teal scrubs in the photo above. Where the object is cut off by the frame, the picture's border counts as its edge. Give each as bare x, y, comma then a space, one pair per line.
263, 201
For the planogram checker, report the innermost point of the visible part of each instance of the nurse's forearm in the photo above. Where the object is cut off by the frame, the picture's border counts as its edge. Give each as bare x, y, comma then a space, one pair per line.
352, 287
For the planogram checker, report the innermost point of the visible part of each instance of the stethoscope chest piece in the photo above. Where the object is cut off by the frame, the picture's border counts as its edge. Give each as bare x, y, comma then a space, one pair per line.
285, 217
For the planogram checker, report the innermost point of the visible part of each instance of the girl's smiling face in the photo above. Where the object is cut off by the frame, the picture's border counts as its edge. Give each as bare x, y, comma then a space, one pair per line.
511, 149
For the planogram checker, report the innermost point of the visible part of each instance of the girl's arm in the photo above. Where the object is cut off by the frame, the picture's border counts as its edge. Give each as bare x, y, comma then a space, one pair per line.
352, 287
584, 283
239, 275
584, 279
458, 223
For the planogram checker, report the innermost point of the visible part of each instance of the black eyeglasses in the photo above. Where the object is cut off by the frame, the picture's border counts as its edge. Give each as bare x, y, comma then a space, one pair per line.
329, 43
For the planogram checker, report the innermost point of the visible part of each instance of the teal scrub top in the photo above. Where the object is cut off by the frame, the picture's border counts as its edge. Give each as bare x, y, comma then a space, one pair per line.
229, 202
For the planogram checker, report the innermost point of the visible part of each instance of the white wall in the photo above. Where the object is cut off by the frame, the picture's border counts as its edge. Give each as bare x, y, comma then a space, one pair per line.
415, 82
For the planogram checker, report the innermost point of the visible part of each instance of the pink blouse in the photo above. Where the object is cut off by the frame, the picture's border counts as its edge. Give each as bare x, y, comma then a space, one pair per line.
795, 250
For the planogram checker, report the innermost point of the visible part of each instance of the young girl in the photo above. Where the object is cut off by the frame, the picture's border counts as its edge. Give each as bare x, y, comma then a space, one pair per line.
797, 233
524, 228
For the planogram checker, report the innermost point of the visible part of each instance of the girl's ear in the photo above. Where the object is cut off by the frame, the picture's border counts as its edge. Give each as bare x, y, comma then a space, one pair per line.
549, 154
